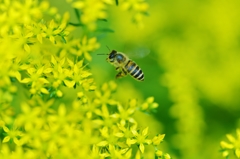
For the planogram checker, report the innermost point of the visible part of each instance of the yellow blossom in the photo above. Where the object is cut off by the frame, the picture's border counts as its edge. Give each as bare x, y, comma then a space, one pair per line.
85, 46
12, 134
92, 10
141, 138
125, 115
158, 139
149, 105
45, 83
233, 145
139, 8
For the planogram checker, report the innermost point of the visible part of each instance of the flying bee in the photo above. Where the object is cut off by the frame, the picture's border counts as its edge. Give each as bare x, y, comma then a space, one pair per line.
125, 65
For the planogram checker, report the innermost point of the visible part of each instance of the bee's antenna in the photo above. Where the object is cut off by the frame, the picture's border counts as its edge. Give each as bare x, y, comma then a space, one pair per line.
102, 54
108, 48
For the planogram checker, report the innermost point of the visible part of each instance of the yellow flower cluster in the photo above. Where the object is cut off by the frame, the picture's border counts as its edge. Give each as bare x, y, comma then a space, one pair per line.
138, 8
40, 62
28, 42
79, 47
233, 146
97, 125
187, 111
149, 105
59, 72
93, 10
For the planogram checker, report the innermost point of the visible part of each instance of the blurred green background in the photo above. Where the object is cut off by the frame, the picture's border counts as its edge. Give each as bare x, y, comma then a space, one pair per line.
192, 70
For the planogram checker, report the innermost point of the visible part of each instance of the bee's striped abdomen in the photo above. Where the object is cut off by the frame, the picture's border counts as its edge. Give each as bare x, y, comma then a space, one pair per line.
134, 70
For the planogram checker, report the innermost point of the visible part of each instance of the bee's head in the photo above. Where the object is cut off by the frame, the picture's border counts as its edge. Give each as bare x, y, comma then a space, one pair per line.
112, 55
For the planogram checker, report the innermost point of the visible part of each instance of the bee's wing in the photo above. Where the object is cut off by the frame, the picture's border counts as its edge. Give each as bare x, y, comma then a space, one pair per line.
138, 52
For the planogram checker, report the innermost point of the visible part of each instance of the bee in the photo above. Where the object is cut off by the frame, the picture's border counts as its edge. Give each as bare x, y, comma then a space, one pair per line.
125, 65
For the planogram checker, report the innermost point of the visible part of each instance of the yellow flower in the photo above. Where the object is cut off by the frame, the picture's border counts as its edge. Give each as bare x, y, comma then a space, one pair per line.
79, 76
116, 153
233, 145
125, 115
92, 10
141, 138
28, 117
107, 119
159, 153
103, 96
109, 136
53, 29
149, 105
12, 134
166, 156
36, 80
138, 7
158, 139
39, 58
61, 117
85, 46
68, 47
16, 12
79, 48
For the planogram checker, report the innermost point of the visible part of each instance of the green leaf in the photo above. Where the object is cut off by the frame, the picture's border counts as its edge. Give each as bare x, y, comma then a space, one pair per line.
76, 24
116, 2
77, 14
105, 20
52, 94
63, 39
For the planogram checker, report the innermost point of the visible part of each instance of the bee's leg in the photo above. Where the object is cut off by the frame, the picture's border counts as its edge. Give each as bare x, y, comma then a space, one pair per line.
124, 72
121, 74
118, 68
